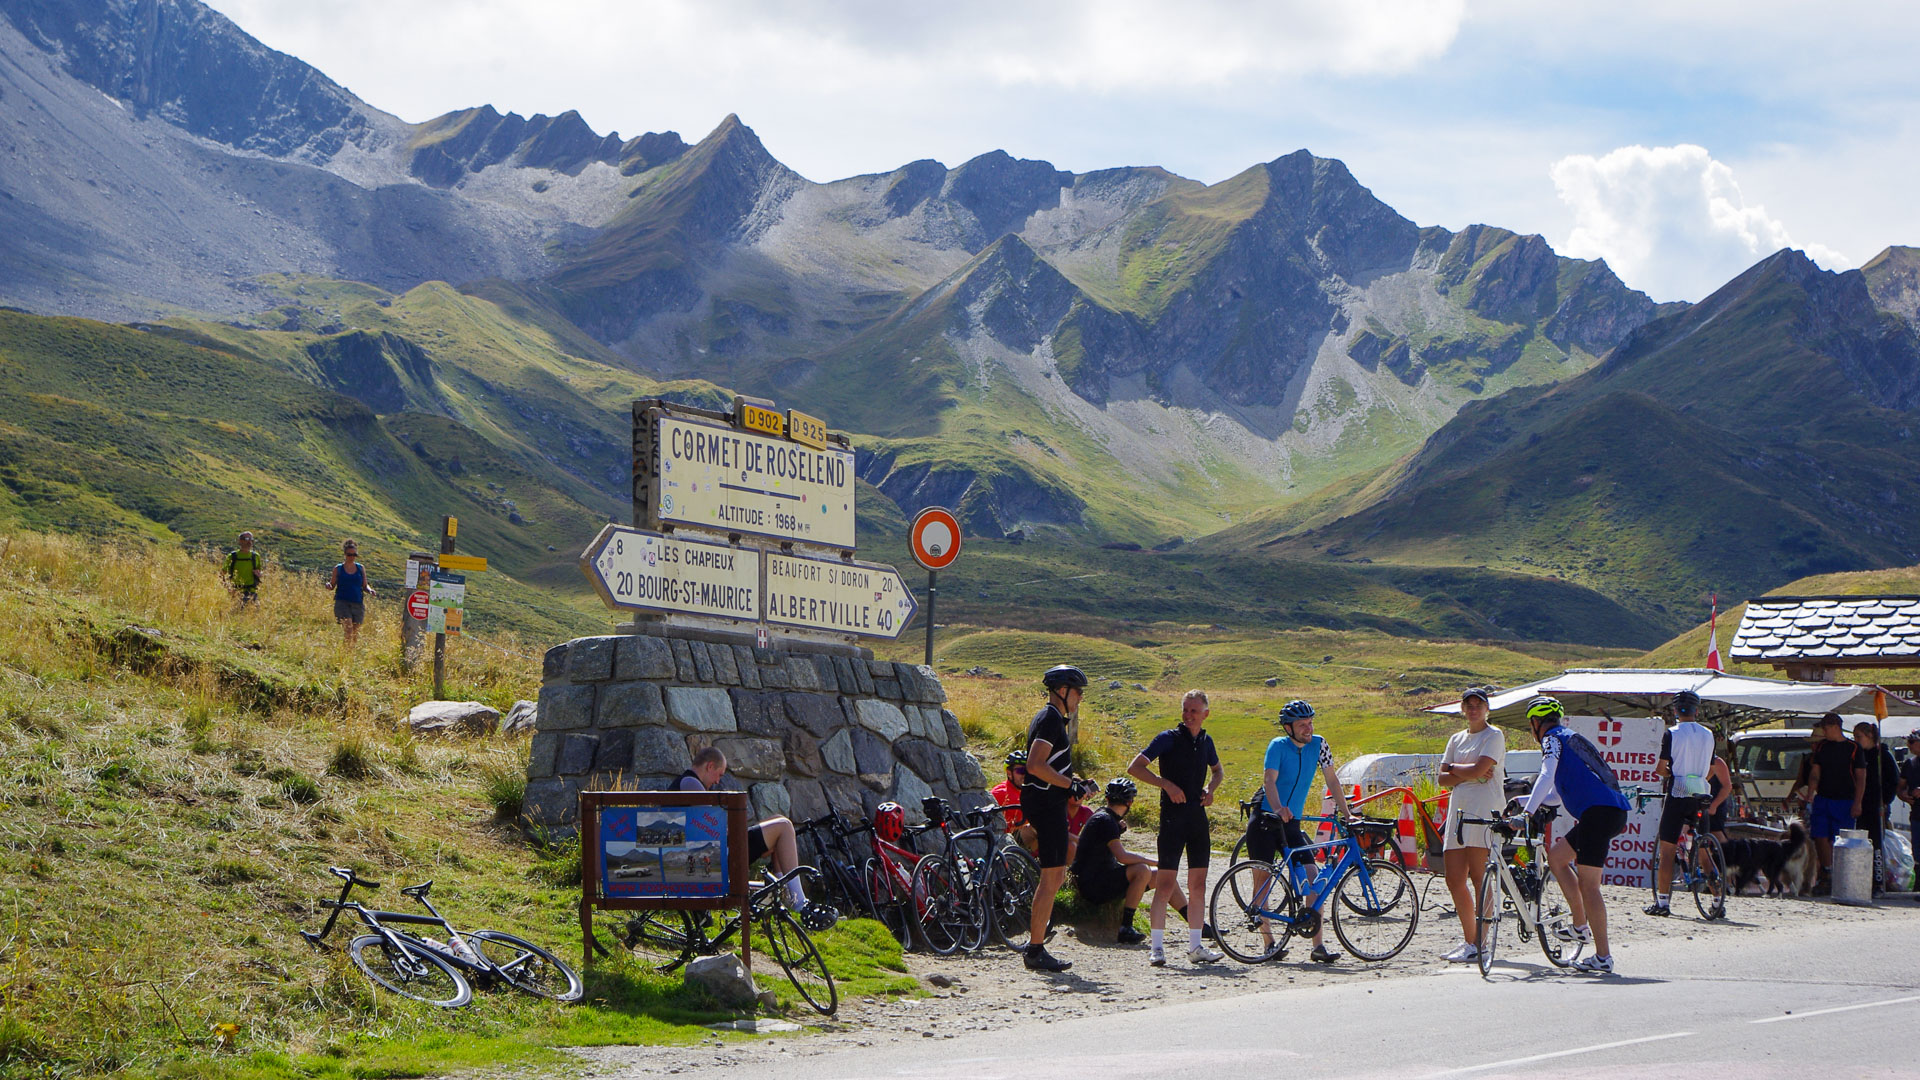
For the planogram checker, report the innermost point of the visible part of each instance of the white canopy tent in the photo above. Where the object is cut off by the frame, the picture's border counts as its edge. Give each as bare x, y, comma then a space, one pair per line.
1645, 691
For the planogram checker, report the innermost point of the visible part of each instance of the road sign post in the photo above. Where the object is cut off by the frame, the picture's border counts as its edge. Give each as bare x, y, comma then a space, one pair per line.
413, 624
935, 542
449, 528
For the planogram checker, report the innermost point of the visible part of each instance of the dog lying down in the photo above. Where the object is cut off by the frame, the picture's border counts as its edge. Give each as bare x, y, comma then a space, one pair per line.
1789, 865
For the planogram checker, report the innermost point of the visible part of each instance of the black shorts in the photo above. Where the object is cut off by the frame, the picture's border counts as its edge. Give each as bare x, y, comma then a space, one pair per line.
1266, 834
1101, 884
1678, 811
345, 611
756, 843
1049, 820
1592, 836
1184, 829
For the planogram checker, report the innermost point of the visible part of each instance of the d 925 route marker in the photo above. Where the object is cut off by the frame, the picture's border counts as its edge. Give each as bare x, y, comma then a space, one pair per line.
830, 594
634, 570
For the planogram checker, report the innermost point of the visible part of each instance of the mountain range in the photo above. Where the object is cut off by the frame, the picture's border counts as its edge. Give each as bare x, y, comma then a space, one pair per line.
1278, 363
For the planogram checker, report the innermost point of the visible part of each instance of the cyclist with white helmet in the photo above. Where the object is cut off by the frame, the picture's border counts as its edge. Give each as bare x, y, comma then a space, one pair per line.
1292, 761
1573, 775
1043, 801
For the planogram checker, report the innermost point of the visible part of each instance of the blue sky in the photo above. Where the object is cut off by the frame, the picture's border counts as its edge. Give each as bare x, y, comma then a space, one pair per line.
1682, 142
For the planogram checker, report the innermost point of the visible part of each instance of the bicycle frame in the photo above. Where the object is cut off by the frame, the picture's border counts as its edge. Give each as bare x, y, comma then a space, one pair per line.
1324, 877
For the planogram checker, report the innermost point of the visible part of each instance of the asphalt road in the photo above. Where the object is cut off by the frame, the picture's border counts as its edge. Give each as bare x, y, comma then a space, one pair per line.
1822, 1001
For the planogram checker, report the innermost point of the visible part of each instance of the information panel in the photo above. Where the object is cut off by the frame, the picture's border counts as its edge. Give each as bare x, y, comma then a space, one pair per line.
829, 594
729, 480
446, 603
635, 570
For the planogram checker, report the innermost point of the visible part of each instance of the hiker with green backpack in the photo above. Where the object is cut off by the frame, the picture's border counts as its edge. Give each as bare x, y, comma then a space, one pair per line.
244, 569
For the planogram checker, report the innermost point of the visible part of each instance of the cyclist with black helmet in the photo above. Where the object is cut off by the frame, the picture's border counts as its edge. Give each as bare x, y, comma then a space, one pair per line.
1043, 801
1573, 775
1105, 871
1292, 761
1686, 768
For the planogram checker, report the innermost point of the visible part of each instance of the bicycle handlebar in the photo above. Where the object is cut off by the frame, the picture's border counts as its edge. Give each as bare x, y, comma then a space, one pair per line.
346, 873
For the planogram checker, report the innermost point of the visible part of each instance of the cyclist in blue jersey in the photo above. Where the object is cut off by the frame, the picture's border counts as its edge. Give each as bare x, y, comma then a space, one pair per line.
1292, 762
1573, 775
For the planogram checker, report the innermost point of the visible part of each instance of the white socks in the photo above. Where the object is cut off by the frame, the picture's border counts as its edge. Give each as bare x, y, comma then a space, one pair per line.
1157, 939
1193, 939
796, 894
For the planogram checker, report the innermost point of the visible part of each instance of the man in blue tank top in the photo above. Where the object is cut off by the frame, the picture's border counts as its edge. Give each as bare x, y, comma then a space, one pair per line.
350, 591
1573, 775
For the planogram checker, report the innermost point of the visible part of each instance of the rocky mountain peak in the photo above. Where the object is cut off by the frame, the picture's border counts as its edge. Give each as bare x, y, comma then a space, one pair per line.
449, 147
1893, 279
1001, 192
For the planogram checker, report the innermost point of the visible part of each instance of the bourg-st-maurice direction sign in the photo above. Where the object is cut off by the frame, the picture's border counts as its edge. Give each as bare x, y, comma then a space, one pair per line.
733, 481
834, 595
634, 570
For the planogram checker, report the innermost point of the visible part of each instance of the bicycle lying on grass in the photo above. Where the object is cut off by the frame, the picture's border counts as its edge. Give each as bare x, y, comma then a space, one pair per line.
666, 940
441, 973
1518, 881
1375, 915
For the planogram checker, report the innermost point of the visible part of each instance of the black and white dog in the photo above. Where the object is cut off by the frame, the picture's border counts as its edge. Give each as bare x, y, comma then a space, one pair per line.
1788, 864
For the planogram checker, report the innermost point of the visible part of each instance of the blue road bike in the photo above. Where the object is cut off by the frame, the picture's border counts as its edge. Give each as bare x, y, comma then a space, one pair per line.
1259, 907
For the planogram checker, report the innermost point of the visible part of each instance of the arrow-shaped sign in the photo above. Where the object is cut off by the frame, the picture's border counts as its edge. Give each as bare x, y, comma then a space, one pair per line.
832, 594
634, 570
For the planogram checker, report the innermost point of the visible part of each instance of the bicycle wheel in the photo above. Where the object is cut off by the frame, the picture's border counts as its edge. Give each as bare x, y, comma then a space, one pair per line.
660, 940
1709, 877
526, 966
1487, 917
848, 892
939, 911
789, 943
1376, 910
1551, 912
890, 901
1256, 929
412, 971
1016, 875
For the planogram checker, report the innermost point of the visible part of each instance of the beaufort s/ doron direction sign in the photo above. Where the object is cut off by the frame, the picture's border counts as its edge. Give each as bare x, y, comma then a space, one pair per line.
839, 596
643, 571
733, 481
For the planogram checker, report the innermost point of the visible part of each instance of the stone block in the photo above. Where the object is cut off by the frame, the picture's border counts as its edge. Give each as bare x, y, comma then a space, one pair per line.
770, 800
757, 713
629, 704
725, 671
702, 661
837, 753
934, 693
880, 669
642, 656
871, 754
862, 674
802, 674
700, 708
659, 751
936, 728
774, 678
766, 656
953, 777
753, 759
817, 713
843, 675
850, 796
956, 739
577, 752
540, 756
887, 688
807, 800
916, 724
909, 681
743, 662
590, 659
882, 717
616, 752
923, 757
829, 677
907, 790
565, 706
966, 772
683, 661
803, 752
552, 801
554, 664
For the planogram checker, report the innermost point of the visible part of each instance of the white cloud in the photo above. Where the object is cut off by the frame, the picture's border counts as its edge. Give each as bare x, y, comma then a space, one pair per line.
1670, 220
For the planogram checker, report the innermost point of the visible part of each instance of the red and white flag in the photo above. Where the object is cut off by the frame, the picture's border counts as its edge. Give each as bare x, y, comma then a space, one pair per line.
1713, 636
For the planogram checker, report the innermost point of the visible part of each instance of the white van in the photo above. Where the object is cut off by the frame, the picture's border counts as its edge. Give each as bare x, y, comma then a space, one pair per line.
1378, 772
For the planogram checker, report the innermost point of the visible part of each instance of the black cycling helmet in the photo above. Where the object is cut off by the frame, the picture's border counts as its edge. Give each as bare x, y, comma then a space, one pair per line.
1016, 759
1064, 677
1120, 789
1544, 709
1686, 702
1296, 710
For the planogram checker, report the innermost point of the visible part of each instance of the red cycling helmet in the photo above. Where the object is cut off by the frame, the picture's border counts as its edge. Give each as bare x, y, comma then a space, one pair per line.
889, 819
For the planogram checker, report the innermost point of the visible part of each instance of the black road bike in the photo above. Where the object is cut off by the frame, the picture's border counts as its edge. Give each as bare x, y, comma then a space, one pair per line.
978, 883
436, 972
843, 878
666, 940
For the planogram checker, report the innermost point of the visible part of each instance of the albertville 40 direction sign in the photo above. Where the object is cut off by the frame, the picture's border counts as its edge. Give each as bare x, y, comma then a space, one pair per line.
643, 571
735, 481
833, 594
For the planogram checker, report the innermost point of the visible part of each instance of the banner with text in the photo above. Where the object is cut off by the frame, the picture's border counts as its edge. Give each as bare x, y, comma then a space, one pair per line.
735, 481
1632, 747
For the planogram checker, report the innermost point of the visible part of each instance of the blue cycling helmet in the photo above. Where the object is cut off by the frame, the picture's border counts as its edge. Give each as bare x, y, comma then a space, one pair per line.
1296, 710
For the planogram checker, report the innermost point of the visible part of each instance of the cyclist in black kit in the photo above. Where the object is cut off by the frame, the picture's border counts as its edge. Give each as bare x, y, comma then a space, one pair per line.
1043, 801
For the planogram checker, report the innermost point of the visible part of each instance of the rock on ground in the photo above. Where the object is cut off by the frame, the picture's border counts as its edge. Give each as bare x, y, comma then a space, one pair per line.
724, 978
468, 718
519, 718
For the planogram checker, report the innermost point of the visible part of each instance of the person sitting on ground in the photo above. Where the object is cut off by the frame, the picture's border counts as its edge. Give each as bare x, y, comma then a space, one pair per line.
1573, 775
773, 837
1876, 799
1685, 765
245, 569
1474, 770
1078, 813
1291, 763
1189, 774
1837, 778
1007, 794
1105, 871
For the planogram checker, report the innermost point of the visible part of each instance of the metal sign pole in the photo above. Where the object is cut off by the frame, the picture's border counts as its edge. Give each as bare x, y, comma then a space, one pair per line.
932, 577
449, 527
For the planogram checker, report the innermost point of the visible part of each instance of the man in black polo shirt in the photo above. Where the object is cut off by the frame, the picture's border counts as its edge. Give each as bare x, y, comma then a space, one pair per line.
1043, 801
1189, 773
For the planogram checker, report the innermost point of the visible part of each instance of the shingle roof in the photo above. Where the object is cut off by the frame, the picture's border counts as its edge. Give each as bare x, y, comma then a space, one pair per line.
1830, 629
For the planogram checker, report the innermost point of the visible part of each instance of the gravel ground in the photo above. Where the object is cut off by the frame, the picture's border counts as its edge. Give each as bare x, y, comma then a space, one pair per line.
992, 991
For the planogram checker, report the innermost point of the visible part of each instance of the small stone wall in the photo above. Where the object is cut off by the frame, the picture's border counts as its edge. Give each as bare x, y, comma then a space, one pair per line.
801, 731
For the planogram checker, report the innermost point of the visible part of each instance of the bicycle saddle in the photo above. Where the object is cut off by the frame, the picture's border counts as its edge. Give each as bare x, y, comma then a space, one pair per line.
417, 891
